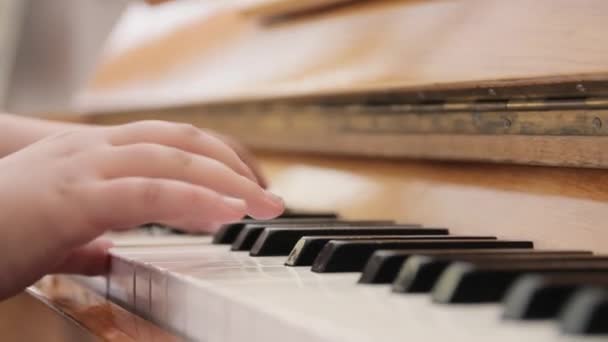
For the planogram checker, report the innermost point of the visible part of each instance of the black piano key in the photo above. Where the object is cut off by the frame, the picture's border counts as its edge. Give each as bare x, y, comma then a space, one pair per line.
420, 272
351, 256
465, 282
536, 296
384, 265
250, 233
290, 214
586, 312
308, 247
228, 232
280, 241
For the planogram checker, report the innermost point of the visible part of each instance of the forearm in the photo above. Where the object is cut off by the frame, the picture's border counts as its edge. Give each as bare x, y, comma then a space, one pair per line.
18, 132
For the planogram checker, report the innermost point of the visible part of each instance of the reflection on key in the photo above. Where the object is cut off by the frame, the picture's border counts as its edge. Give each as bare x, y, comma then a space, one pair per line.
465, 282
420, 272
351, 256
308, 247
250, 233
536, 296
384, 265
280, 241
586, 312
228, 232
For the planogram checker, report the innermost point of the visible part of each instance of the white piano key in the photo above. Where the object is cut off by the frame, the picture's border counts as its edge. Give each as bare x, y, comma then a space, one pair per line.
208, 293
179, 295
121, 283
158, 298
142, 291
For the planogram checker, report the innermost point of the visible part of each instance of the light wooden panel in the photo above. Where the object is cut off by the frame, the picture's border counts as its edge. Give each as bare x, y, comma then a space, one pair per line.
375, 44
263, 9
58, 309
25, 318
554, 207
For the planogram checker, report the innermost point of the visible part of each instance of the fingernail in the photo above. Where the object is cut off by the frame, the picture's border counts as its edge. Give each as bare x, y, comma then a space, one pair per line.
236, 204
275, 198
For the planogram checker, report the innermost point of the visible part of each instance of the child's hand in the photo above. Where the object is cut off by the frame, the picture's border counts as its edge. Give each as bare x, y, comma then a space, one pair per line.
61, 193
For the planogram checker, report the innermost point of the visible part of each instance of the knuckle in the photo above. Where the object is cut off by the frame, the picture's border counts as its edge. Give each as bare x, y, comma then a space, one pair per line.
143, 126
145, 150
150, 191
183, 159
188, 130
162, 154
174, 156
71, 143
66, 187
146, 124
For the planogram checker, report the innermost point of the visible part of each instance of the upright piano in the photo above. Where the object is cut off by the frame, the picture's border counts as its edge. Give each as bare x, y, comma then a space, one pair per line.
444, 163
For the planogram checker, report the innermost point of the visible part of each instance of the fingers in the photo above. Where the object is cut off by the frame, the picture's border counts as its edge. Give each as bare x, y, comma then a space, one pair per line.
246, 157
181, 136
157, 161
128, 202
90, 259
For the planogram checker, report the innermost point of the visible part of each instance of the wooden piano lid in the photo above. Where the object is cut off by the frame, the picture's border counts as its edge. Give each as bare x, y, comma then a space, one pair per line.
369, 44
456, 80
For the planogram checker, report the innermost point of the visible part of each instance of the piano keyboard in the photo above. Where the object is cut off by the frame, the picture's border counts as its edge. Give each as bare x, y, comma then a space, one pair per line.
322, 278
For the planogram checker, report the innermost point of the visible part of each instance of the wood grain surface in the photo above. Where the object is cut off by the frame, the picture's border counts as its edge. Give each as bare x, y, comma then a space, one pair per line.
66, 310
372, 45
561, 208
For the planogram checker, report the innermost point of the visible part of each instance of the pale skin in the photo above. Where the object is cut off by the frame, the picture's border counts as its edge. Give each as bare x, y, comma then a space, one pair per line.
63, 185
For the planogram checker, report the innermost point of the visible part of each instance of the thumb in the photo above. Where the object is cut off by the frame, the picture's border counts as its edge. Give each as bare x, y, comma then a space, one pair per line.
90, 259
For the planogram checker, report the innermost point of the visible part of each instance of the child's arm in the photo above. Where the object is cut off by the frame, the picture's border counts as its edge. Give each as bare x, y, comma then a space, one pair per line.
18, 132
62, 192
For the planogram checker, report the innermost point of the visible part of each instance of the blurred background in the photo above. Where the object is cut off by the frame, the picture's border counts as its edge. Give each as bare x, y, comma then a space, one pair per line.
49, 50
79, 56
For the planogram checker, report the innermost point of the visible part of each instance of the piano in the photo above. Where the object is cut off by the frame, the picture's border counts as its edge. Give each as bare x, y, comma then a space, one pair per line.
443, 163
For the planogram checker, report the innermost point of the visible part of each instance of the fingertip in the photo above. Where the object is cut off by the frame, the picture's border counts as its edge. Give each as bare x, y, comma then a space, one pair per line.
269, 207
269, 211
275, 199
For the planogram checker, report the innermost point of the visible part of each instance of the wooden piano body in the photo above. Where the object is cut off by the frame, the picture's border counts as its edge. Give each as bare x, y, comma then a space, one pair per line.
486, 117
